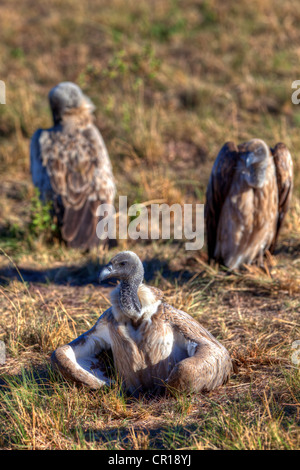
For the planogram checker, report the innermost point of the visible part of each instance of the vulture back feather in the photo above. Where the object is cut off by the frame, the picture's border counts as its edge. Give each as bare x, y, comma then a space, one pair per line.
70, 166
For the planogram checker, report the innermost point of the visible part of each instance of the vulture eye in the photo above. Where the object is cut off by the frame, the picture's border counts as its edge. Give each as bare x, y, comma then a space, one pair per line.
122, 263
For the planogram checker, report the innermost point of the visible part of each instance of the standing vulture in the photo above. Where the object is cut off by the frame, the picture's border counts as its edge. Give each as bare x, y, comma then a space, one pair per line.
153, 344
70, 166
247, 197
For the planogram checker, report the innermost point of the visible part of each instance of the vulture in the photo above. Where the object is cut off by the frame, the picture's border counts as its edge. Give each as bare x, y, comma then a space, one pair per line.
247, 198
70, 166
155, 347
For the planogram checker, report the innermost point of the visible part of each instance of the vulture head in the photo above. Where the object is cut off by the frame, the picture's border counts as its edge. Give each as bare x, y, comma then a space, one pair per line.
255, 156
125, 266
67, 96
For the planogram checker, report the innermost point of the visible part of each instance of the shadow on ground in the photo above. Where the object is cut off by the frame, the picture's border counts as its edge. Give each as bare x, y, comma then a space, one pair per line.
88, 273
289, 248
160, 437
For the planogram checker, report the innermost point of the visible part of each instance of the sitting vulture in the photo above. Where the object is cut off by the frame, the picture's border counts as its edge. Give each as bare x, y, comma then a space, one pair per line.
248, 195
153, 344
70, 166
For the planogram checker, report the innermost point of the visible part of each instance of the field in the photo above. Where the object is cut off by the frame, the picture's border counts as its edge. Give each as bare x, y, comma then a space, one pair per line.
172, 81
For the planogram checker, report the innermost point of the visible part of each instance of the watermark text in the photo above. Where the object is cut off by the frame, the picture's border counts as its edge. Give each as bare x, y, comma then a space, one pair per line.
296, 354
153, 222
2, 353
2, 93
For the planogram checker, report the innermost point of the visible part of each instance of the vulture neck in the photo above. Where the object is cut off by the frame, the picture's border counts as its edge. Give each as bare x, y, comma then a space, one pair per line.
77, 117
129, 301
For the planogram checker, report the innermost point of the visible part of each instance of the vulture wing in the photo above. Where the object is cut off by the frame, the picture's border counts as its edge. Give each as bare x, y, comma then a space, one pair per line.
208, 365
40, 177
284, 174
217, 190
80, 360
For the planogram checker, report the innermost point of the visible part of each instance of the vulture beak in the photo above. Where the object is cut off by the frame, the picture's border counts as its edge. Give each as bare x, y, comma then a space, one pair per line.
250, 159
253, 158
106, 272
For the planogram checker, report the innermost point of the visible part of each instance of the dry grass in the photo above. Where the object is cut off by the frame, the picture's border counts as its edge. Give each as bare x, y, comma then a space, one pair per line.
171, 85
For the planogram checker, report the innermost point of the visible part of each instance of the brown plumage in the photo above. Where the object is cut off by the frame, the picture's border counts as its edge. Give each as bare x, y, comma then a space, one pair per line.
158, 345
247, 197
70, 166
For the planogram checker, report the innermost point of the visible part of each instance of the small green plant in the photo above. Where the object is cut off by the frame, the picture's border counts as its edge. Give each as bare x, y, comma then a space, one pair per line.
41, 218
11, 237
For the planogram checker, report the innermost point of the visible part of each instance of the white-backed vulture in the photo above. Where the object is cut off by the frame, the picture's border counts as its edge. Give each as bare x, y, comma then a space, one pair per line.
247, 198
154, 345
70, 166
